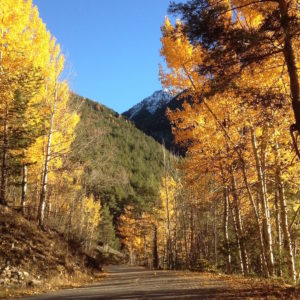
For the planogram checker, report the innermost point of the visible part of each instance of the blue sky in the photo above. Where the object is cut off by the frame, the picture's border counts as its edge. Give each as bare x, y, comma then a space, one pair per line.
112, 47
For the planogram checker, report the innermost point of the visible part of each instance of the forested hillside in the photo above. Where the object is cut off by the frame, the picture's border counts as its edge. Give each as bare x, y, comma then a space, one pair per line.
122, 165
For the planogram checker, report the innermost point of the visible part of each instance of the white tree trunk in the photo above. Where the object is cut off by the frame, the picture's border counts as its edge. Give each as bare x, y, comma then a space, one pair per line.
264, 206
42, 204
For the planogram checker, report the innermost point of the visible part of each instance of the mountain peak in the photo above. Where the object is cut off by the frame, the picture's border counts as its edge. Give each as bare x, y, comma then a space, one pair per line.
151, 104
150, 116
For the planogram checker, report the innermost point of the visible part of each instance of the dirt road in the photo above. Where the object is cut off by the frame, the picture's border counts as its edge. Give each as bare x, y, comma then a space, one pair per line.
125, 282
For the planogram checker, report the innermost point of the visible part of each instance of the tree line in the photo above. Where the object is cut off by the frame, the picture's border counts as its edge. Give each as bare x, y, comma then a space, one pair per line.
37, 128
232, 203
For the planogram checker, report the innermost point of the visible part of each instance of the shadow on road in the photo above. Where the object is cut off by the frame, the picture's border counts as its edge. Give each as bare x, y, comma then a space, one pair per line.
126, 282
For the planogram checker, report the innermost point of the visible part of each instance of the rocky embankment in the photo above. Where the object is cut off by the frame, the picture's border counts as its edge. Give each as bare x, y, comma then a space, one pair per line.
12, 276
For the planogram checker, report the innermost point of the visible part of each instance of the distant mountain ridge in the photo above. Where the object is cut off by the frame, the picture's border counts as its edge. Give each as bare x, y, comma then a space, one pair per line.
151, 104
150, 116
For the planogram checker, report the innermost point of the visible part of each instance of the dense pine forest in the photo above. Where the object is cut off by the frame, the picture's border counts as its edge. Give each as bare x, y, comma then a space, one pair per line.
226, 200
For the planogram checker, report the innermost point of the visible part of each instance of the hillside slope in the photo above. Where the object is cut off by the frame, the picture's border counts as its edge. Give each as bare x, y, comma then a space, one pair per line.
30, 257
122, 165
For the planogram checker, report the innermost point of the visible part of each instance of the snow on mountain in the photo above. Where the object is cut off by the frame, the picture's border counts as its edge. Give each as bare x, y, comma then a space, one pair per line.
152, 103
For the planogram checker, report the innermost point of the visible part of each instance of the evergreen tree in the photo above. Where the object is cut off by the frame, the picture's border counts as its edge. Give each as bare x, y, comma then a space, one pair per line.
21, 127
107, 234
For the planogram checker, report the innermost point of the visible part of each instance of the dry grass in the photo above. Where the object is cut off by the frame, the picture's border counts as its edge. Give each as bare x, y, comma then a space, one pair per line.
53, 284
